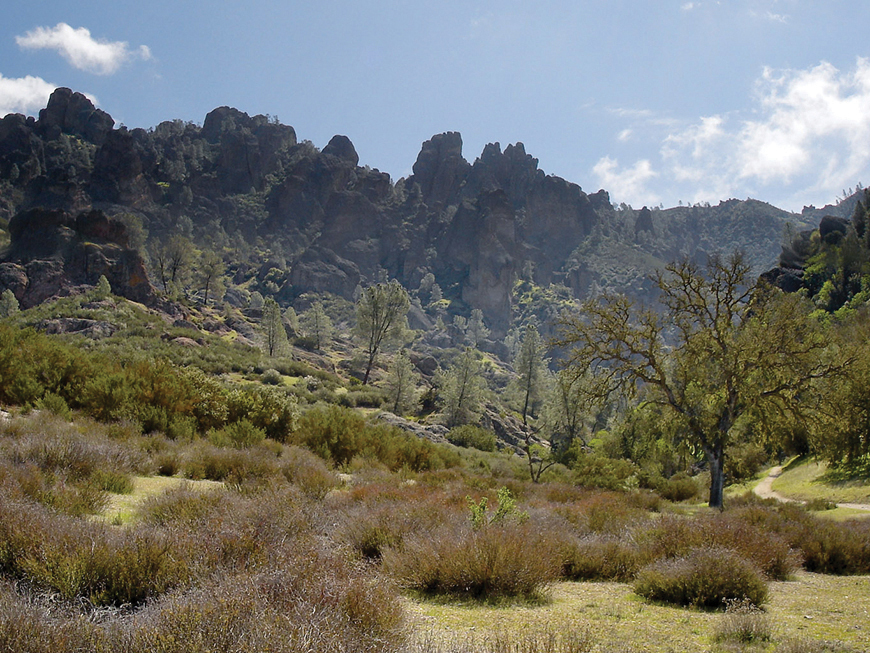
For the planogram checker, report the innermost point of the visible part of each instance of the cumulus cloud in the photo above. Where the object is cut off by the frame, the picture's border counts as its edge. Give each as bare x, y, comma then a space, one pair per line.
23, 94
81, 50
628, 184
806, 137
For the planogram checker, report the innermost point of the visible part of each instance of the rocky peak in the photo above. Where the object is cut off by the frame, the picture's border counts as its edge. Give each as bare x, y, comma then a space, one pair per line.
74, 114
341, 147
440, 169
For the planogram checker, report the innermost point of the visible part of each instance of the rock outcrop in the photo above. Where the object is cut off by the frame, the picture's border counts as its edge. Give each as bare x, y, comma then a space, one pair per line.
52, 252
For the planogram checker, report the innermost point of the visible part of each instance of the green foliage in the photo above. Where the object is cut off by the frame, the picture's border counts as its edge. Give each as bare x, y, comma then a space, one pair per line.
462, 389
472, 436
380, 319
339, 435
8, 304
401, 384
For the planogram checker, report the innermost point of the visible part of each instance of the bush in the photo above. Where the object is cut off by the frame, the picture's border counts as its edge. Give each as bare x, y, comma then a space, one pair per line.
494, 562
743, 623
595, 471
705, 577
836, 548
679, 487
239, 435
472, 436
600, 558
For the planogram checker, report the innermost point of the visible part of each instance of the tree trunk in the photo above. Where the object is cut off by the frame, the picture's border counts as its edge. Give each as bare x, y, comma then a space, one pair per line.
717, 478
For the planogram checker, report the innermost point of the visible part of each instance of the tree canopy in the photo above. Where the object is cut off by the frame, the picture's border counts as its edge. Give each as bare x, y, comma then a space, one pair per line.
724, 351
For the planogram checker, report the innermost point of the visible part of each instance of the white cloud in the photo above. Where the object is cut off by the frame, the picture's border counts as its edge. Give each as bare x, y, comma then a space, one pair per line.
625, 135
23, 94
627, 184
80, 49
806, 138
688, 6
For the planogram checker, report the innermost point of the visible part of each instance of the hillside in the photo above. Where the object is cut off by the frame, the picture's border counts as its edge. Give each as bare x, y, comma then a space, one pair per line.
289, 218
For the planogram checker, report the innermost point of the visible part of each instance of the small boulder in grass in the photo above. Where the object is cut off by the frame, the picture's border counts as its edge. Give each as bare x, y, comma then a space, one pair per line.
705, 578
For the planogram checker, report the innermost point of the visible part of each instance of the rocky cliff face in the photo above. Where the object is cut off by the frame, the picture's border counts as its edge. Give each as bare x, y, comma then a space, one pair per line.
327, 223
52, 252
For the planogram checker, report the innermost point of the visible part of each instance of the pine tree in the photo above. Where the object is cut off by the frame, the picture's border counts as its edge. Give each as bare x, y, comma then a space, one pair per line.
401, 383
273, 328
8, 304
315, 323
462, 389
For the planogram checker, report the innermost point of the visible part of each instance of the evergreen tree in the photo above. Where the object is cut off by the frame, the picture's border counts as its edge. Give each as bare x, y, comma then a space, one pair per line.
463, 388
315, 323
380, 318
476, 331
273, 328
8, 304
401, 383
531, 368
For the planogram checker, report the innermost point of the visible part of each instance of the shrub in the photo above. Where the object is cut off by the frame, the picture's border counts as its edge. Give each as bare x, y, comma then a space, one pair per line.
706, 577
239, 435
600, 558
836, 548
308, 472
271, 377
679, 487
595, 471
472, 436
490, 563
743, 623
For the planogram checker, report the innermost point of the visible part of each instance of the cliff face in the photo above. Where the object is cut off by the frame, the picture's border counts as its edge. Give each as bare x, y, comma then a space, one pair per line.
327, 223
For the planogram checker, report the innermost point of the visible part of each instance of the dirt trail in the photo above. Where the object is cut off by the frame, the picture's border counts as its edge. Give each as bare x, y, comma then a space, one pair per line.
765, 491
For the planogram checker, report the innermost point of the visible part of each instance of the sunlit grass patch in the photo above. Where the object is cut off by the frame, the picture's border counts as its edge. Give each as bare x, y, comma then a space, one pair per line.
122, 508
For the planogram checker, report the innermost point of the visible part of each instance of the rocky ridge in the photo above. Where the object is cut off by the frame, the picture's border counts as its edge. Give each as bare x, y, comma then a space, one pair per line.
330, 225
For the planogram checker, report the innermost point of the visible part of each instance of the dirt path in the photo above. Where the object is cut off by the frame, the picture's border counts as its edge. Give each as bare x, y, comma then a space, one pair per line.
765, 491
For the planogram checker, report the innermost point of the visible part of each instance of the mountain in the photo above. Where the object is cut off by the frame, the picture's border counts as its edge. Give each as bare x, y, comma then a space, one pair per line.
316, 221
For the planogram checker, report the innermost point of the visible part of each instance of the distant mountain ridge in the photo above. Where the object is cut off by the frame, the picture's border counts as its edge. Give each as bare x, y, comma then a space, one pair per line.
326, 224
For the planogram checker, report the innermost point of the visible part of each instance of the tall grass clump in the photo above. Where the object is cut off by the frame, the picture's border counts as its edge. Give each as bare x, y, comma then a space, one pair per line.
706, 578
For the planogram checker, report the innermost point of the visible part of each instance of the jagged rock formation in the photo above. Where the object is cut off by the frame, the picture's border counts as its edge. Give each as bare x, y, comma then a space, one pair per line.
329, 225
51, 252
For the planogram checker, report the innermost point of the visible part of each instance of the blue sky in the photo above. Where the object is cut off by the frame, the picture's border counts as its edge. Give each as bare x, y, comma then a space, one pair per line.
657, 101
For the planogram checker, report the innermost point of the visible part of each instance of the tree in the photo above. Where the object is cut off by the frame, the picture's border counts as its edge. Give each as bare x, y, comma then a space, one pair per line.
103, 289
172, 261
273, 328
462, 389
211, 271
725, 351
401, 383
315, 323
531, 370
380, 318
476, 331
8, 304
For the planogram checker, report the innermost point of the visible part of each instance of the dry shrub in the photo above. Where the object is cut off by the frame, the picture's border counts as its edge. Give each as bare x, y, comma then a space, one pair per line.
493, 562
308, 472
601, 557
743, 623
837, 548
767, 550
604, 512
704, 578
235, 466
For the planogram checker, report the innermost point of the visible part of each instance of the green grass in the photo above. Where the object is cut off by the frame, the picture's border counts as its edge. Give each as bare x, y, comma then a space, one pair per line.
812, 607
122, 508
805, 480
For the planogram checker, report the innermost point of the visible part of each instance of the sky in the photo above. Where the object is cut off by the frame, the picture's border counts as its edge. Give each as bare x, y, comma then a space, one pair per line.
659, 102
